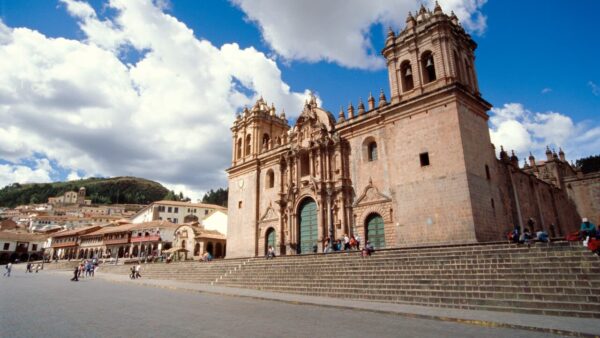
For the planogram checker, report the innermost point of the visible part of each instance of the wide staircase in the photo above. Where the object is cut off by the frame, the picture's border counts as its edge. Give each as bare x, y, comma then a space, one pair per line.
190, 271
554, 279
560, 278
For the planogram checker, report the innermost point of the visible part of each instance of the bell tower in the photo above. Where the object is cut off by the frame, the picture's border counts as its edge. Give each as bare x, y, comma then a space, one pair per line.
257, 130
431, 52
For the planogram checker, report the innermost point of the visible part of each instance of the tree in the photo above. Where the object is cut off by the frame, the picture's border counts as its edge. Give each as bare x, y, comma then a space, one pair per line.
218, 197
589, 164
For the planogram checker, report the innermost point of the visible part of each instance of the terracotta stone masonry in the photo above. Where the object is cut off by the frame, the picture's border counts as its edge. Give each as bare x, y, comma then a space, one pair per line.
414, 166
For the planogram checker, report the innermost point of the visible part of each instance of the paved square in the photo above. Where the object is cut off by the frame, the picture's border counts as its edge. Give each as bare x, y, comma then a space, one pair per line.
48, 304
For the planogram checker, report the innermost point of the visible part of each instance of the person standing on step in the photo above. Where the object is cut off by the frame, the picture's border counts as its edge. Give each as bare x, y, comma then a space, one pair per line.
357, 242
346, 242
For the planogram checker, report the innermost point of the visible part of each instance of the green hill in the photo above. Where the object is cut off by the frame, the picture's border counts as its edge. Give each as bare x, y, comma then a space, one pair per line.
100, 190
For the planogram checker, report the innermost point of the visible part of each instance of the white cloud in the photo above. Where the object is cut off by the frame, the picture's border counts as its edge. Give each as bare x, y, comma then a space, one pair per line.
519, 129
165, 116
11, 173
546, 90
338, 30
73, 176
595, 88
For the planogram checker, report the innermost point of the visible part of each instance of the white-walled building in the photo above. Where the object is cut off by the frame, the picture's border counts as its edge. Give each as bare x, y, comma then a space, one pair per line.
216, 221
176, 212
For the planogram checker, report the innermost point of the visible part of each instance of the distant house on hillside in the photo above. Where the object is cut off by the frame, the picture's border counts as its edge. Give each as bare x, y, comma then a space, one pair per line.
70, 197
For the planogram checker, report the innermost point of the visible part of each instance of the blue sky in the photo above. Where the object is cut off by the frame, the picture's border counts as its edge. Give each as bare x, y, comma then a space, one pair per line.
535, 64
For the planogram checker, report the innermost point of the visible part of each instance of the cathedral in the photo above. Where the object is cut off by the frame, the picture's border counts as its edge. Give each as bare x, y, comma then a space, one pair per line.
413, 167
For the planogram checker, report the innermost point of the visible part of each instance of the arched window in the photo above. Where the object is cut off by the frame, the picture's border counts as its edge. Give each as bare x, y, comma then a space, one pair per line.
239, 148
265, 141
407, 76
428, 67
372, 151
270, 179
248, 144
468, 75
457, 65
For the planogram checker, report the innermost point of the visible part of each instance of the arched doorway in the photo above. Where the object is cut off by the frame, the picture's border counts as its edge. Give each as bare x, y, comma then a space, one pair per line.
209, 249
120, 252
218, 250
375, 231
183, 244
134, 253
197, 249
269, 239
307, 226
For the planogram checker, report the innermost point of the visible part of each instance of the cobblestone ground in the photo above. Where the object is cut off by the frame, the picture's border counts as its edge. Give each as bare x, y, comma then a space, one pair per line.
49, 305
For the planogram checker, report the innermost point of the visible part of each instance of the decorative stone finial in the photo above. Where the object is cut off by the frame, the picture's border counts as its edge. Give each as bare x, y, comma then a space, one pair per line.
361, 107
382, 99
341, 115
437, 9
350, 111
282, 116
371, 102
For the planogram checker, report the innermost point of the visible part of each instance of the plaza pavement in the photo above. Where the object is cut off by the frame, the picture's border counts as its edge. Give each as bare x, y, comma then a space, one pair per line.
570, 326
47, 304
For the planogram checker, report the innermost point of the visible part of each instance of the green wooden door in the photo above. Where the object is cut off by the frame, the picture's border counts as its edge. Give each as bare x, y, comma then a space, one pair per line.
308, 226
270, 240
375, 231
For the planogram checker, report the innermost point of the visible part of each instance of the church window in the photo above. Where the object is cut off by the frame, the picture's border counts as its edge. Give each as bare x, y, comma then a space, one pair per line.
407, 76
468, 75
424, 157
265, 141
487, 172
428, 67
304, 165
270, 179
372, 151
457, 64
239, 204
248, 144
239, 148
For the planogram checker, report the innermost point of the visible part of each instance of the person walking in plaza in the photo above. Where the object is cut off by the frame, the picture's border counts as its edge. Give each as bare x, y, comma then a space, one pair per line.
132, 272
28, 268
37, 267
8, 269
138, 268
75, 274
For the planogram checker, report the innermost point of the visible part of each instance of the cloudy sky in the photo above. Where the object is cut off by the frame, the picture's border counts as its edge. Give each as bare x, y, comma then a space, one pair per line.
150, 88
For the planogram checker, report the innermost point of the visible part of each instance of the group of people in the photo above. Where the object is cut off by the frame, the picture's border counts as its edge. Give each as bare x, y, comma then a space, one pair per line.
87, 268
527, 237
589, 233
29, 268
135, 271
345, 243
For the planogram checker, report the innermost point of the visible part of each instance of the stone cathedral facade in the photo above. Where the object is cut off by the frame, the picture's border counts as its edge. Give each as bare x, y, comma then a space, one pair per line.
417, 168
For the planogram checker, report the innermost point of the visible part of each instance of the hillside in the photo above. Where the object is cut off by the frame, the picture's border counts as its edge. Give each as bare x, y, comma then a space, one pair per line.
99, 190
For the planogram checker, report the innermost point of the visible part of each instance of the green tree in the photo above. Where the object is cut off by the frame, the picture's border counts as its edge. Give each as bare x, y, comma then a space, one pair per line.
218, 197
589, 164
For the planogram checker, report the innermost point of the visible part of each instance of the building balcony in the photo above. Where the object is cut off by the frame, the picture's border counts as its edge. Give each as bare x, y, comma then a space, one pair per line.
141, 239
64, 244
116, 241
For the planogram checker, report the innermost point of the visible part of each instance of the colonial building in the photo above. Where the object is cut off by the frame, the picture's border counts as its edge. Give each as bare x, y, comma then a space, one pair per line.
193, 240
176, 212
70, 197
65, 244
416, 169
20, 245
